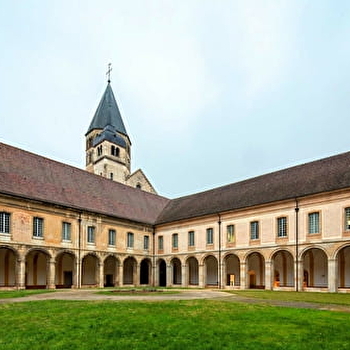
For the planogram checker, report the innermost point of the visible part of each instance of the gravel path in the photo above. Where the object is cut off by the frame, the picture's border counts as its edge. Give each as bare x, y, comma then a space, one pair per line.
188, 294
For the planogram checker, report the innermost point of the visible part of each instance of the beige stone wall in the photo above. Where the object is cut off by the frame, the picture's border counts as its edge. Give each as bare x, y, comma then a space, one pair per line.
139, 180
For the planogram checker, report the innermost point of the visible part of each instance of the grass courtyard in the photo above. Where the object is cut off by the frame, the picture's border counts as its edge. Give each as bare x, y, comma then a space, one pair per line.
191, 324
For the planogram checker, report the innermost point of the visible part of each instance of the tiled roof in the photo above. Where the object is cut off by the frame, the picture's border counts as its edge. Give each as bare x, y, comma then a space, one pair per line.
324, 175
31, 176
107, 113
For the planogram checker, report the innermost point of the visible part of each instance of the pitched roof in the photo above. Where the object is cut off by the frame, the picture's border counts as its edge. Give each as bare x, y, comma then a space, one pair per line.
34, 177
328, 174
107, 113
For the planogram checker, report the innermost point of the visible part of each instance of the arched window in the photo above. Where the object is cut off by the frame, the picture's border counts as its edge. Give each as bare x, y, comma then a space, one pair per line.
117, 151
99, 150
138, 185
111, 176
112, 150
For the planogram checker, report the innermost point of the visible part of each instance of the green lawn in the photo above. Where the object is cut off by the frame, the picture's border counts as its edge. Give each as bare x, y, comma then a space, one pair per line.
198, 324
137, 291
323, 298
5, 294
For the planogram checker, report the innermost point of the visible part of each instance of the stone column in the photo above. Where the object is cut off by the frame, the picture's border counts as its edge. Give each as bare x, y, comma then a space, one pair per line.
223, 276
100, 280
201, 276
116, 274
243, 277
121, 275
51, 274
169, 275
21, 273
184, 276
299, 282
137, 274
77, 275
268, 281
332, 276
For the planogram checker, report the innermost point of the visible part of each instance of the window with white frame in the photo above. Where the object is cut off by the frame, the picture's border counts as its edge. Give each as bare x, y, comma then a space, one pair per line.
91, 234
282, 227
347, 219
191, 238
160, 243
130, 240
111, 237
146, 242
66, 231
38, 227
4, 222
175, 240
230, 232
254, 230
314, 222
210, 238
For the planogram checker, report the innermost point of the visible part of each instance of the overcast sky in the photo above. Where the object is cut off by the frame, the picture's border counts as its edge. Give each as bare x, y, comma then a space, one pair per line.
211, 92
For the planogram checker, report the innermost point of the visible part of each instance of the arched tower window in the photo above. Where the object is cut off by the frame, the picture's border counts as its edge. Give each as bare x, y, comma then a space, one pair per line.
99, 150
117, 151
112, 150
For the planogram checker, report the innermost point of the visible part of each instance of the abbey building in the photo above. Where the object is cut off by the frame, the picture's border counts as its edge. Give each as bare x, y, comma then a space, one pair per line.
63, 227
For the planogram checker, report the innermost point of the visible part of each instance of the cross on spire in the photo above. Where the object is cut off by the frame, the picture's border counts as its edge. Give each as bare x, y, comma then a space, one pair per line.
109, 72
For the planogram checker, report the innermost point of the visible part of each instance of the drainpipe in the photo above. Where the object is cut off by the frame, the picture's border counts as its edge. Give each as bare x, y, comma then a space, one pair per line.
154, 256
79, 254
297, 244
220, 266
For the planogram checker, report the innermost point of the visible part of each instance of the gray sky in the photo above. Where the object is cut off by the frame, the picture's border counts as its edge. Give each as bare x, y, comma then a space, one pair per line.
211, 92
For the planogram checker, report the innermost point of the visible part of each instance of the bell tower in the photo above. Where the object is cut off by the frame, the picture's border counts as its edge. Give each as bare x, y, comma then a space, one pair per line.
107, 142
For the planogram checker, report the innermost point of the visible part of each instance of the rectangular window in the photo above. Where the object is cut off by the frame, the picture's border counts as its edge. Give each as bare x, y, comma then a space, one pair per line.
160, 243
66, 231
38, 227
191, 238
347, 219
146, 242
314, 222
130, 240
175, 240
210, 236
4, 222
282, 227
230, 230
254, 230
91, 234
111, 237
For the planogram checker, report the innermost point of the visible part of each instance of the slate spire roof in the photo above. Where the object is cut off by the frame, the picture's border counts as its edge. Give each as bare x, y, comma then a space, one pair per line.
108, 113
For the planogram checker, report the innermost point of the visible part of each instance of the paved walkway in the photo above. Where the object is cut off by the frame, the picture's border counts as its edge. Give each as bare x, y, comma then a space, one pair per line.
187, 294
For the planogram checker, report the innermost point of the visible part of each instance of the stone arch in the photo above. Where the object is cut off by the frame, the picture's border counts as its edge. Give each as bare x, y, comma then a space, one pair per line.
192, 271
256, 270
110, 271
65, 269
37, 268
315, 268
232, 270
90, 270
129, 271
176, 268
145, 271
343, 259
282, 272
8, 264
211, 270
162, 272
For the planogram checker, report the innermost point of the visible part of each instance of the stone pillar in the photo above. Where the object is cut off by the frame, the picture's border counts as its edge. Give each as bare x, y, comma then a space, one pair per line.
51, 274
299, 282
116, 274
184, 276
268, 279
21, 273
169, 275
100, 281
332, 276
243, 277
121, 275
77, 275
137, 275
201, 276
223, 275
